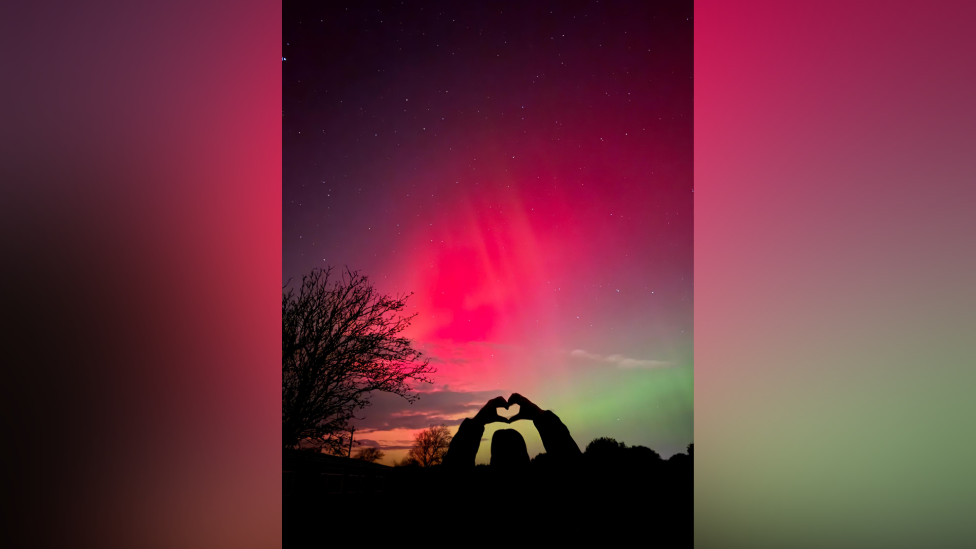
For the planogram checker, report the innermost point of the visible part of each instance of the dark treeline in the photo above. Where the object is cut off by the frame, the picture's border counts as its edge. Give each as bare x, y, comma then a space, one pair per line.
612, 486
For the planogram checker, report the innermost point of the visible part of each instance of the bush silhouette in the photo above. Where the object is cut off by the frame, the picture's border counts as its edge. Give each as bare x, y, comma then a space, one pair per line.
604, 446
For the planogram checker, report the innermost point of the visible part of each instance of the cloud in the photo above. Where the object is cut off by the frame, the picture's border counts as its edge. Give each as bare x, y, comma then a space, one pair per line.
579, 353
451, 360
442, 407
397, 444
621, 361
420, 420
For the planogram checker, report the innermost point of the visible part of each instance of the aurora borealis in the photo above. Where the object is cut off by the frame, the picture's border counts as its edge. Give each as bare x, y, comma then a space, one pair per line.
527, 172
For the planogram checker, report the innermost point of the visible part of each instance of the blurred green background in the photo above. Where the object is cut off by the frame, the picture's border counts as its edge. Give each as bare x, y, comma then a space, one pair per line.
834, 271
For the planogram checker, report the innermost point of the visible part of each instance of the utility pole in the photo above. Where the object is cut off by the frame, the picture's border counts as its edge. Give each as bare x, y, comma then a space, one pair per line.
352, 431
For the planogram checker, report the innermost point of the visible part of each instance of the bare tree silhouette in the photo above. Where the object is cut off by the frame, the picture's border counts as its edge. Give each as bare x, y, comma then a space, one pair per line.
341, 340
430, 446
370, 454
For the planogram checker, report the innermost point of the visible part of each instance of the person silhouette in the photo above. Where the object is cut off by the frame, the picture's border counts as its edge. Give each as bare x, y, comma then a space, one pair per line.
508, 450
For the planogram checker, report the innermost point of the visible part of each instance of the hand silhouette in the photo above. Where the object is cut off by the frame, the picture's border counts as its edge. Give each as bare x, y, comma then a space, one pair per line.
527, 410
489, 413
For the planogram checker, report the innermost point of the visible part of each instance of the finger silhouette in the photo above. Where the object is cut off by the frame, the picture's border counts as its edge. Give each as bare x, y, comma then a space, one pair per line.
527, 409
489, 412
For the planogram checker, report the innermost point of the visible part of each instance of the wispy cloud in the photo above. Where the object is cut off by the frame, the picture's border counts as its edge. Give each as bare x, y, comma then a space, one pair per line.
439, 407
621, 361
388, 445
451, 360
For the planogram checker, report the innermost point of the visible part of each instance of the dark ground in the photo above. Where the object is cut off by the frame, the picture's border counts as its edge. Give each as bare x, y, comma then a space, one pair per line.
594, 498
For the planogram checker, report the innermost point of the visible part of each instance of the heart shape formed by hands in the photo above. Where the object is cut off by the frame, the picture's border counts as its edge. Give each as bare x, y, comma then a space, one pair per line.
508, 412
502, 410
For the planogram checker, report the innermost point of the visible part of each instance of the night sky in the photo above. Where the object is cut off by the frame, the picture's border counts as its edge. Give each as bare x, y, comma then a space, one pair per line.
526, 169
